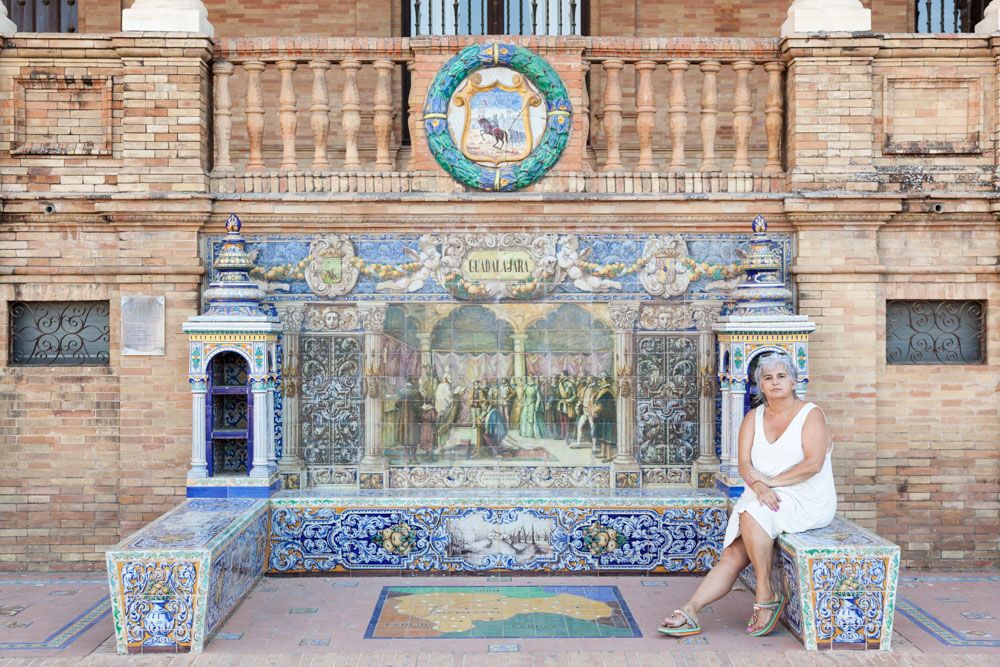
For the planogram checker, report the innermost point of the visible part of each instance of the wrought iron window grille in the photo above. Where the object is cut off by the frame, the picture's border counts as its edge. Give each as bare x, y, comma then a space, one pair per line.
935, 332
59, 333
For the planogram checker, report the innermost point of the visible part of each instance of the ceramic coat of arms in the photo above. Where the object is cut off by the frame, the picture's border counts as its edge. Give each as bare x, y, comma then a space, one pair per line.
497, 116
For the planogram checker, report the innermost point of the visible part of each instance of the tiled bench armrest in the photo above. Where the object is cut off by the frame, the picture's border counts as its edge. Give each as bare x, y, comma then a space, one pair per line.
841, 586
175, 581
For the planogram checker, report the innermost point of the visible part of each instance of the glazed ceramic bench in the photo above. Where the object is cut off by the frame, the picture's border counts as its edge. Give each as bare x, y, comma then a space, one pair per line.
841, 584
175, 581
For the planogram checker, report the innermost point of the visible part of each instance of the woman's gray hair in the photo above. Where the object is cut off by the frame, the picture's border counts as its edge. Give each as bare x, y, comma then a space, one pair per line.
771, 360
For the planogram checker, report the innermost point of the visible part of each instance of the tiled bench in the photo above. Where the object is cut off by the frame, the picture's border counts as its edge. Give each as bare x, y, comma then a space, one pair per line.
493, 530
176, 580
841, 582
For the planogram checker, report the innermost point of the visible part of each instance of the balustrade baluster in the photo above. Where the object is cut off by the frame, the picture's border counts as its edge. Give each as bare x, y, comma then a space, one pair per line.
454, 7
223, 115
645, 112
416, 19
612, 114
773, 115
287, 115
320, 114
255, 115
383, 114
678, 113
584, 115
709, 111
534, 15
572, 17
742, 118
351, 110
414, 116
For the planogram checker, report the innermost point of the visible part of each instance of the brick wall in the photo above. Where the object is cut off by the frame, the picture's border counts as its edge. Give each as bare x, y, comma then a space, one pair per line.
92, 453
938, 462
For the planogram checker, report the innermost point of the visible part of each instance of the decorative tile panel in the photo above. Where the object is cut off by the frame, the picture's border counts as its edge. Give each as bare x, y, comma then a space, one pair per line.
175, 580
667, 415
841, 581
334, 535
330, 408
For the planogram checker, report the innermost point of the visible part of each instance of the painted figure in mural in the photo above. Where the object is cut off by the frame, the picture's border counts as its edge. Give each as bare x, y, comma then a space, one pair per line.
505, 398
784, 459
566, 405
446, 408
408, 414
540, 407
586, 407
478, 405
529, 410
496, 429
428, 430
552, 409
518, 402
489, 128
605, 420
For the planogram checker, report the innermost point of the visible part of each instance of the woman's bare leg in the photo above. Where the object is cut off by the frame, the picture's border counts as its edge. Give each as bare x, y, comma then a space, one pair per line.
716, 583
760, 548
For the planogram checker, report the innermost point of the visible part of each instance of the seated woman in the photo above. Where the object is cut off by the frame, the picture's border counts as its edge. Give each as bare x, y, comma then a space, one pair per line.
784, 459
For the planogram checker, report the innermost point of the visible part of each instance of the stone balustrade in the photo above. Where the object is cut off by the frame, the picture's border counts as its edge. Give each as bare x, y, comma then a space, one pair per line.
865, 112
330, 114
314, 58
692, 66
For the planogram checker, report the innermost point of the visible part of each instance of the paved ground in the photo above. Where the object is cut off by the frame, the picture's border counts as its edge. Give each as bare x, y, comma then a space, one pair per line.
941, 620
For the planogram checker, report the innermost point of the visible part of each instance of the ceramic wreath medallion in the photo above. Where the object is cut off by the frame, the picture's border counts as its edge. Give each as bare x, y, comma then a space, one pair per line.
497, 116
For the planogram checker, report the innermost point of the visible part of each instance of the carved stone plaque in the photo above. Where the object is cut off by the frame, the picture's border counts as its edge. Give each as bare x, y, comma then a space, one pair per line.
142, 325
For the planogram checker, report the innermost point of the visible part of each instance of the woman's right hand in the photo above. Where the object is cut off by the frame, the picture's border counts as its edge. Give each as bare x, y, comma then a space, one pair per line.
767, 496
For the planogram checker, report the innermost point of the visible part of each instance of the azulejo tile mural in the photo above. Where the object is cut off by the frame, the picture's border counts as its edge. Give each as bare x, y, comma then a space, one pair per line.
488, 267
510, 612
526, 352
313, 535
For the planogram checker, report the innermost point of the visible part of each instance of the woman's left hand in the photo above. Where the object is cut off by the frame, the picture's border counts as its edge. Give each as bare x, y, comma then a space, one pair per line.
755, 476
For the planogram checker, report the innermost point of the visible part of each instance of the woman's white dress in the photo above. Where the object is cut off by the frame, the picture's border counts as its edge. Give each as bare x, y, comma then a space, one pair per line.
804, 506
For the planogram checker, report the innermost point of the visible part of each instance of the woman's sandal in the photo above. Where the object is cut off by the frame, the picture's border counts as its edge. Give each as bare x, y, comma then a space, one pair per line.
686, 629
776, 607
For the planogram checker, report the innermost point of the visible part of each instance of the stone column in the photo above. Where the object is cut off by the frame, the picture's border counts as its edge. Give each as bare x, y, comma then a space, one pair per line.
373, 469
737, 398
806, 16
199, 460
707, 460
7, 27
167, 16
625, 466
290, 465
272, 454
520, 366
259, 390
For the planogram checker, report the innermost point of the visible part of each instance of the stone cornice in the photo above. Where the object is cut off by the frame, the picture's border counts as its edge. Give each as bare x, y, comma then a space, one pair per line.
115, 46
869, 212
682, 48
